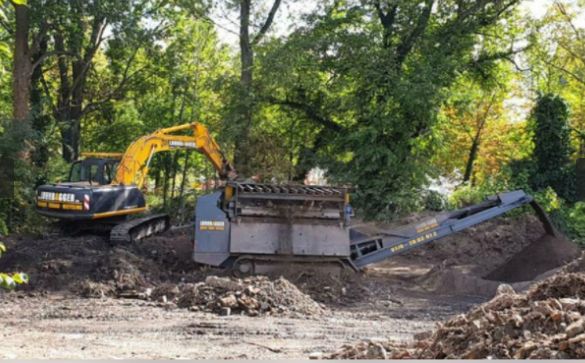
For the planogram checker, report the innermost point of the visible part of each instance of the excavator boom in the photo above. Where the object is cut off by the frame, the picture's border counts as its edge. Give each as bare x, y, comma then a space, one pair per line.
133, 167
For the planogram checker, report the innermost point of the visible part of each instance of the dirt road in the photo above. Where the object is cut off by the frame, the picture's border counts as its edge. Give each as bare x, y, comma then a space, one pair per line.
60, 326
58, 316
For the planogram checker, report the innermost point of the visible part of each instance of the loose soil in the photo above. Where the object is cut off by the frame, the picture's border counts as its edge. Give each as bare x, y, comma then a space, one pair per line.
546, 322
85, 296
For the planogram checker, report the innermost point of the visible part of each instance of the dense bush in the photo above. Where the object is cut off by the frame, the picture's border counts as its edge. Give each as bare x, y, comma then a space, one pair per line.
19, 179
552, 147
575, 222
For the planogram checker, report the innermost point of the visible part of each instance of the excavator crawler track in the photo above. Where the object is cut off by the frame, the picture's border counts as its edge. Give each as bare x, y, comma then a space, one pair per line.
139, 228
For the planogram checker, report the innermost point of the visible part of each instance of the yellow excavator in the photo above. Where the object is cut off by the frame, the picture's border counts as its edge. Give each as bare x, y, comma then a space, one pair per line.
104, 189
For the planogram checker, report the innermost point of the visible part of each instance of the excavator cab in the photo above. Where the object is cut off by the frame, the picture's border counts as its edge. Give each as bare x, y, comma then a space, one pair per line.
93, 171
89, 193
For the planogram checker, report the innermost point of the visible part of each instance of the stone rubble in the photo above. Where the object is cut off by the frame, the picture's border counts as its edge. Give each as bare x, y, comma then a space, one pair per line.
252, 296
545, 322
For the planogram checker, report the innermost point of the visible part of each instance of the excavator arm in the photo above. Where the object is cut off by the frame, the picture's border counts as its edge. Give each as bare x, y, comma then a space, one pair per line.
133, 167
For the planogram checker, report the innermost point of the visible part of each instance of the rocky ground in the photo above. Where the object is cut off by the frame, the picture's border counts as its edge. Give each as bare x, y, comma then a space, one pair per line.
88, 299
545, 322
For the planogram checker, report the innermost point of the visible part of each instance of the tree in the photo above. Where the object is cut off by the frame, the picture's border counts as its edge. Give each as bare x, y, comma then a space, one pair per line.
557, 59
476, 135
178, 83
68, 36
552, 146
244, 94
371, 78
22, 70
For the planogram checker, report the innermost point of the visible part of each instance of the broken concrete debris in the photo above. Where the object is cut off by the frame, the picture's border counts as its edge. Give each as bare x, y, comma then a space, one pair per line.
251, 296
545, 322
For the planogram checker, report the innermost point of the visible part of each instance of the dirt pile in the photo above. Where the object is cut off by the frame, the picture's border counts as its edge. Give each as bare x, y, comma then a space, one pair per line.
545, 254
546, 322
252, 296
88, 265
476, 261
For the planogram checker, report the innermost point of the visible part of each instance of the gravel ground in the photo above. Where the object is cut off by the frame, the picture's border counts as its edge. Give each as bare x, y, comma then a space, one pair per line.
64, 326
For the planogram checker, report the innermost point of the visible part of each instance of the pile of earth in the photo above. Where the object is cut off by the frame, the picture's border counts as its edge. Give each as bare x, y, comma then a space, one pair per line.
159, 268
545, 322
252, 296
477, 260
90, 266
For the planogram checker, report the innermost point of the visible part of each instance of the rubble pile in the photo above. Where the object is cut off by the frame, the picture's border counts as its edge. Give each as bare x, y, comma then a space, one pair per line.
546, 322
257, 295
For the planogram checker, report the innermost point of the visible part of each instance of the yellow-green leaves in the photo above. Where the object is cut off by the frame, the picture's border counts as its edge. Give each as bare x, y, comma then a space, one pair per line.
20, 278
19, 2
11, 280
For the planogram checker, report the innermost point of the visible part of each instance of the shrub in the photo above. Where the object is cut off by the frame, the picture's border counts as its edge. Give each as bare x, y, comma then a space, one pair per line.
11, 280
575, 218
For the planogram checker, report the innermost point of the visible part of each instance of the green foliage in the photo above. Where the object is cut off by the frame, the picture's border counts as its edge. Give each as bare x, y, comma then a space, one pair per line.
576, 221
434, 201
468, 194
17, 209
371, 90
552, 147
382, 101
11, 280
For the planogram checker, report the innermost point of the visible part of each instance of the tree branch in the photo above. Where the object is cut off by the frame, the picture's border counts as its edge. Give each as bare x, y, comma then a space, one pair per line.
406, 46
118, 89
562, 69
96, 39
309, 111
46, 55
387, 21
267, 23
48, 92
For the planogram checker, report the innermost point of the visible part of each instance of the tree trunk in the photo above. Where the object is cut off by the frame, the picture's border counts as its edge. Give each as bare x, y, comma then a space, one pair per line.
471, 158
157, 178
166, 174
175, 166
40, 120
183, 183
22, 68
241, 155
